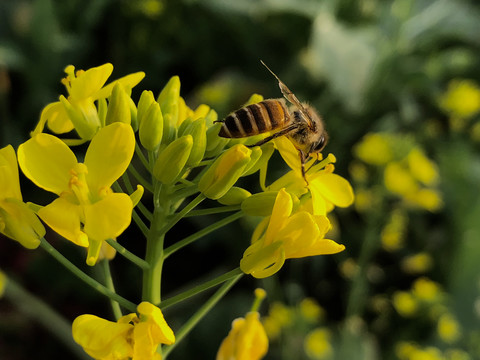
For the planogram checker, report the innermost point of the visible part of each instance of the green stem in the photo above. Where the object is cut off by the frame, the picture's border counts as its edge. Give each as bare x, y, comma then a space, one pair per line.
85, 278
141, 225
189, 239
185, 192
128, 255
215, 210
359, 291
200, 288
140, 178
117, 312
127, 182
145, 212
181, 214
200, 314
142, 157
34, 308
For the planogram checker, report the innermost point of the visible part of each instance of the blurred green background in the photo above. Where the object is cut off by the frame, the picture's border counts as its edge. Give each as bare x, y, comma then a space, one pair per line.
407, 70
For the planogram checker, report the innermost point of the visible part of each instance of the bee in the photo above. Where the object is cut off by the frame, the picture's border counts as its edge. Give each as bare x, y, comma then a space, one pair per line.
299, 122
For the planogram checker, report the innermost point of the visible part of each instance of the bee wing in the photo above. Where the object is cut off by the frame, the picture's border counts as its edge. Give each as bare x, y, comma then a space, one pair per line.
290, 96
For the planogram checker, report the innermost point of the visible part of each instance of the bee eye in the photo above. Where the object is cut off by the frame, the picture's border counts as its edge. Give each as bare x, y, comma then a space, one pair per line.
320, 144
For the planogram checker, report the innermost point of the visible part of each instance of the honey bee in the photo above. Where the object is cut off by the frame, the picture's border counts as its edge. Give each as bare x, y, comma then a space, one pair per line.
299, 122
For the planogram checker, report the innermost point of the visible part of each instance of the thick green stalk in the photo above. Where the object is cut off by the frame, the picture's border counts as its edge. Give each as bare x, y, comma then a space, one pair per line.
127, 254
117, 311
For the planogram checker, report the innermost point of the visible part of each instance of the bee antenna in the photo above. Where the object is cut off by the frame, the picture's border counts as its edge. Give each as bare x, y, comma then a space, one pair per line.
270, 70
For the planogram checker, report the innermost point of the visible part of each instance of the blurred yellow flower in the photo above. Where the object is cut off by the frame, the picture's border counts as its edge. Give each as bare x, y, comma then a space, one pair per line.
405, 303
448, 328
418, 263
374, 149
462, 98
246, 340
311, 310
426, 289
279, 317
317, 344
393, 234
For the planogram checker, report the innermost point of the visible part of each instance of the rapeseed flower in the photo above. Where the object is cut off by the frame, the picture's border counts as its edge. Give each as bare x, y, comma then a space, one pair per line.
77, 110
133, 336
286, 235
87, 212
17, 220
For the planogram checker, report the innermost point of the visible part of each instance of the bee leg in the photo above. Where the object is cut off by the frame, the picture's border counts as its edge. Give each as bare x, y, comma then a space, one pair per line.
303, 160
274, 136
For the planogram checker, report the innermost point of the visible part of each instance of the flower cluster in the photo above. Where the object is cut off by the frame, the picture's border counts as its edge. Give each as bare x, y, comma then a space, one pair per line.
162, 146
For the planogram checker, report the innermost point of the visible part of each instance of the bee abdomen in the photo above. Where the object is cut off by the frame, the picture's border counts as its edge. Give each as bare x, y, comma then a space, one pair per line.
255, 119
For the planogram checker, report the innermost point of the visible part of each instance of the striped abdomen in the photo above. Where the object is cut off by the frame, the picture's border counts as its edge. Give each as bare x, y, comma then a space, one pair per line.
255, 119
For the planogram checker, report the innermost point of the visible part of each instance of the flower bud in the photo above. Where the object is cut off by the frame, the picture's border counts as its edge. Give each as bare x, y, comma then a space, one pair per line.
84, 119
150, 131
118, 107
224, 172
256, 154
169, 102
266, 152
172, 160
198, 131
234, 196
133, 114
254, 99
102, 110
260, 204
215, 143
146, 99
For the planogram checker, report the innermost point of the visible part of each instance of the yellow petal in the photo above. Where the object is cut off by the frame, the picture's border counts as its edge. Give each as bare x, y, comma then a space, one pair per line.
263, 262
159, 329
109, 155
299, 232
9, 180
90, 81
128, 82
289, 153
64, 218
109, 217
47, 161
19, 222
334, 188
57, 118
102, 339
320, 247
281, 211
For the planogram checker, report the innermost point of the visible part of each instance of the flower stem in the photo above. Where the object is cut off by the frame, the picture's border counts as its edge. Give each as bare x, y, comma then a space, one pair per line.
189, 239
128, 255
39, 311
142, 157
85, 278
140, 178
200, 288
117, 312
214, 210
200, 314
181, 214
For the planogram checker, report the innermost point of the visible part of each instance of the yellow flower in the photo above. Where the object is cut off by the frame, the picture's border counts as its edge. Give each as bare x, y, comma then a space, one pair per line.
78, 111
405, 303
246, 340
86, 212
374, 149
318, 344
311, 310
17, 220
421, 167
418, 263
283, 236
426, 289
448, 328
462, 99
325, 188
133, 336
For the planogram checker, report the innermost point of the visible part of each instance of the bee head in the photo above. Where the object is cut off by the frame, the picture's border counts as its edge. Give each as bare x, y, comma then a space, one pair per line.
318, 145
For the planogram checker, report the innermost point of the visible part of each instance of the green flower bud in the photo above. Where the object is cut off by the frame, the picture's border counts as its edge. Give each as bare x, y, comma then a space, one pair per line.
266, 153
172, 160
146, 99
102, 110
256, 154
151, 127
168, 100
215, 143
260, 204
254, 99
198, 131
118, 106
224, 172
234, 196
